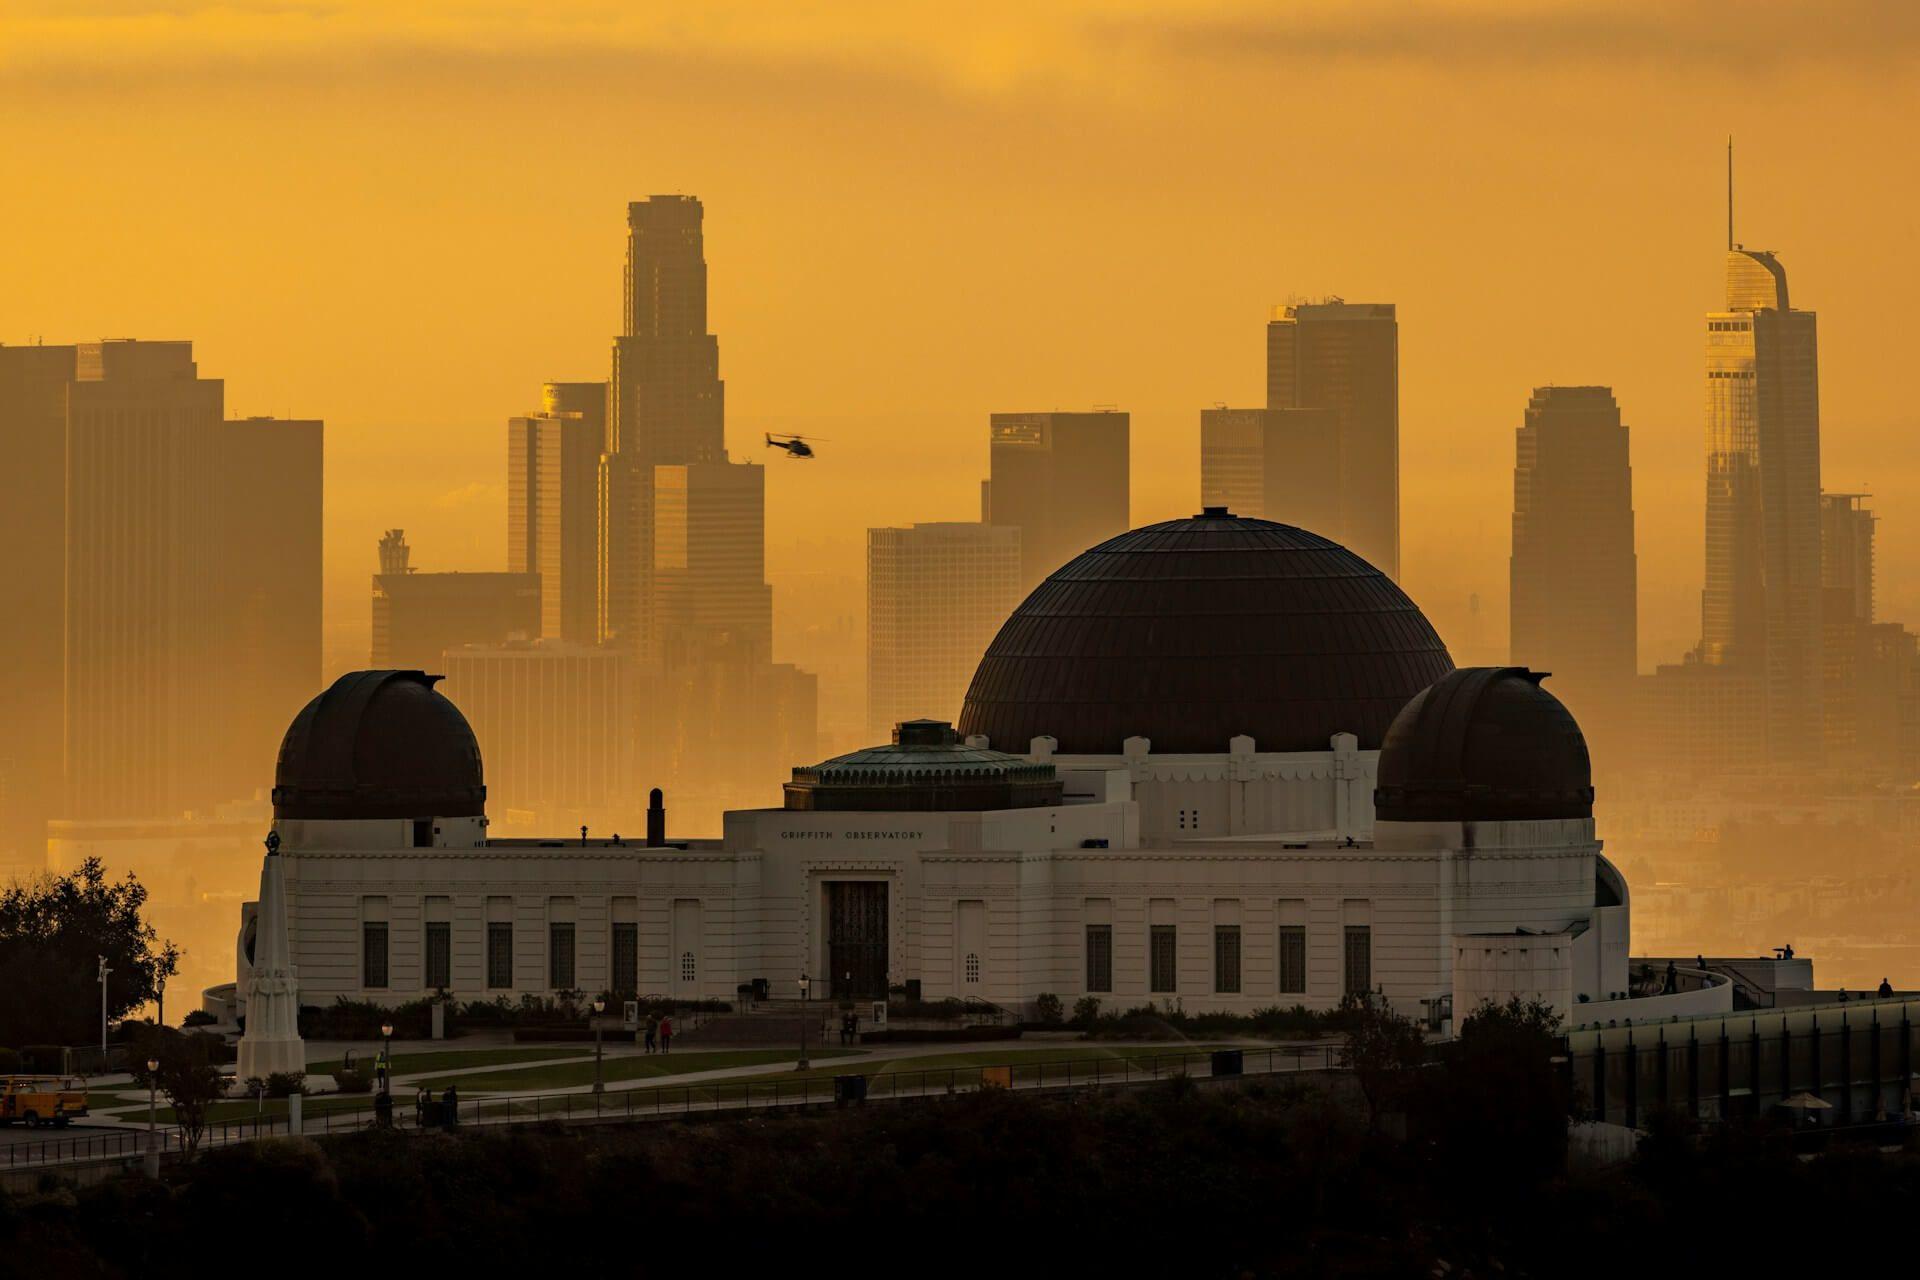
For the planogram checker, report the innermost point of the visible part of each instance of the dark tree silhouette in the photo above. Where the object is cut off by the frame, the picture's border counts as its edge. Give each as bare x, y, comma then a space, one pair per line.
53, 933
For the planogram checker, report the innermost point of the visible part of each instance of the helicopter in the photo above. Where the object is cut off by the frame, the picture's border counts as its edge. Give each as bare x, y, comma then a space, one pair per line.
796, 446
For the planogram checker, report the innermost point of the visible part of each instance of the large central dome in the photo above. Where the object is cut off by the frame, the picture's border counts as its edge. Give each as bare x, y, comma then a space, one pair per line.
1191, 632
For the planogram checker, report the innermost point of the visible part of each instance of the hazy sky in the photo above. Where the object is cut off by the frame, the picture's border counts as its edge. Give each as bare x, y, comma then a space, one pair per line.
403, 218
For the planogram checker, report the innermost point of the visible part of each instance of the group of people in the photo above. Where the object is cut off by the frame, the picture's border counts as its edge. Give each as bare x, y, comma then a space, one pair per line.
659, 1031
448, 1108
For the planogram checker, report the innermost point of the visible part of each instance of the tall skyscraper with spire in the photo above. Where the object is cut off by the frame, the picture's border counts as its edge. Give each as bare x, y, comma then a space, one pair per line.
1761, 607
668, 402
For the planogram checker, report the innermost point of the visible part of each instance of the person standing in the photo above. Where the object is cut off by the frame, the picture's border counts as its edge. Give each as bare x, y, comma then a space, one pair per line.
653, 1030
666, 1033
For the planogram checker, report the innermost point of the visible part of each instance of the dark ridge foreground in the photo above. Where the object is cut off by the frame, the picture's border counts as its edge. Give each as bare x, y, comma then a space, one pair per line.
1178, 1181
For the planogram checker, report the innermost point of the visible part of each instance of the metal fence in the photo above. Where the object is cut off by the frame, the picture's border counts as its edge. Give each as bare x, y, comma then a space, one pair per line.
817, 1087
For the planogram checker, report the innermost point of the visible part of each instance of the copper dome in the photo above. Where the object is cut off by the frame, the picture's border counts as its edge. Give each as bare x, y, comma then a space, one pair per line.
379, 744
1484, 744
1191, 632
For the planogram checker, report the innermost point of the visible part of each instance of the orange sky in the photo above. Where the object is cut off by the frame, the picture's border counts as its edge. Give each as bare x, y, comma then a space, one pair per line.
403, 219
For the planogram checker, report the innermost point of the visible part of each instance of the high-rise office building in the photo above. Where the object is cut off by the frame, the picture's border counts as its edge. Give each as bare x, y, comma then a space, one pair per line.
555, 725
936, 596
192, 593
1846, 550
1273, 464
1062, 480
553, 466
271, 552
33, 432
1762, 604
1574, 573
667, 402
710, 580
417, 617
143, 582
1345, 356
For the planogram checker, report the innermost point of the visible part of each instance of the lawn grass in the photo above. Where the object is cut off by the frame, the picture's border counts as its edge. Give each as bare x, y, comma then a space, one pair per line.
627, 1067
454, 1059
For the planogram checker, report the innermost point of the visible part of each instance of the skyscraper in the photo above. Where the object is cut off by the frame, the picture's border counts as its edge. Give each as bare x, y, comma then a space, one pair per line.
1574, 573
33, 433
270, 549
553, 464
667, 400
1761, 606
936, 595
1062, 480
1846, 550
1274, 464
710, 581
1345, 356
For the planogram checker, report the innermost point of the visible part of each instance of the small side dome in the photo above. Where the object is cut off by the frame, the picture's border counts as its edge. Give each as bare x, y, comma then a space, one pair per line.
1484, 744
379, 744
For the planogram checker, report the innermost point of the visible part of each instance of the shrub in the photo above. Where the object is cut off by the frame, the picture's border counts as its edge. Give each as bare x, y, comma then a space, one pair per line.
198, 1018
1047, 1008
284, 1084
1086, 1011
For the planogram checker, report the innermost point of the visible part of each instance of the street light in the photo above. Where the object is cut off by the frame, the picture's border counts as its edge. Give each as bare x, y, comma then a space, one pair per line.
105, 969
386, 1058
153, 1149
599, 1007
805, 982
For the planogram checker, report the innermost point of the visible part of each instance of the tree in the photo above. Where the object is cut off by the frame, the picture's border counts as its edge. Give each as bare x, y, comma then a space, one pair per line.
53, 933
189, 1076
1383, 1050
1501, 1098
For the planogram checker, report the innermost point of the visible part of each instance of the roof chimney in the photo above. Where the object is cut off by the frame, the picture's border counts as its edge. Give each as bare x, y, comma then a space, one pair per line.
656, 819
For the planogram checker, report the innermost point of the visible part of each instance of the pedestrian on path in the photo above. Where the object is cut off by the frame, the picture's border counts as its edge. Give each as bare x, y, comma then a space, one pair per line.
653, 1030
666, 1034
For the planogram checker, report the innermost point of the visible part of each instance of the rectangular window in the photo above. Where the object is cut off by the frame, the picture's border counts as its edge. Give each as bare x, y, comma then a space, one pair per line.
439, 954
499, 955
1161, 958
1099, 957
1359, 959
560, 955
626, 959
373, 953
1226, 959
1293, 959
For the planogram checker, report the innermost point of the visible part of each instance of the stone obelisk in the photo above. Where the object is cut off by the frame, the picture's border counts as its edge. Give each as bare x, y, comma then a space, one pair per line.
272, 1041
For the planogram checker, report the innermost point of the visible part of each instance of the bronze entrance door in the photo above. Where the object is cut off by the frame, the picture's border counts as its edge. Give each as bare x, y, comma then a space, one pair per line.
857, 938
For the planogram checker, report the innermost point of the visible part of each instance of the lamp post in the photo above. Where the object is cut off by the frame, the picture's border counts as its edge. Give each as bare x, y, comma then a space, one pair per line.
599, 1007
105, 969
805, 982
153, 1149
386, 1058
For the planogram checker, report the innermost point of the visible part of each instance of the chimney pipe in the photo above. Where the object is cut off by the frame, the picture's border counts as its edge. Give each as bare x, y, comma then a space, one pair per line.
656, 819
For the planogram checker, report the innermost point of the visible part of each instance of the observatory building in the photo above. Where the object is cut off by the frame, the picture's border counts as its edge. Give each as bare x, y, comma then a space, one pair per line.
1218, 761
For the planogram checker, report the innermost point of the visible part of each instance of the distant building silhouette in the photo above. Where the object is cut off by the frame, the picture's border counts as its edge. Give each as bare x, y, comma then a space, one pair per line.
165, 593
668, 403
1761, 606
555, 723
417, 617
553, 466
1573, 570
1062, 480
33, 432
1272, 464
936, 594
1345, 356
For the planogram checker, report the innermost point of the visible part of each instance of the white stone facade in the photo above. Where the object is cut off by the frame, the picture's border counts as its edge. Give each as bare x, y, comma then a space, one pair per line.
1235, 881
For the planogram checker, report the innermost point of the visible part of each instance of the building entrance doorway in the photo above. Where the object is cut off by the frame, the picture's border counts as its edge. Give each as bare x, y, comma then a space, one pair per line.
857, 938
